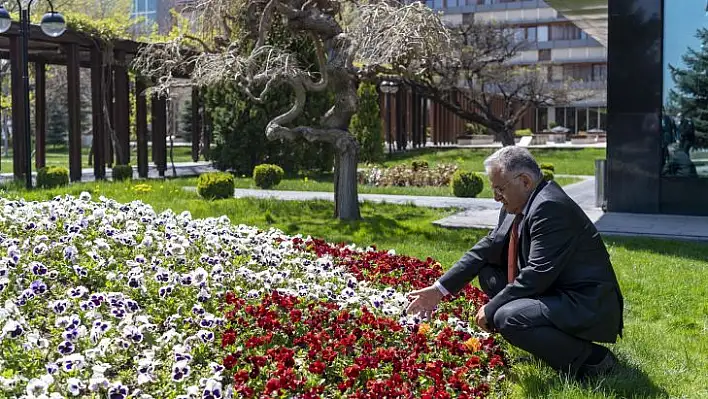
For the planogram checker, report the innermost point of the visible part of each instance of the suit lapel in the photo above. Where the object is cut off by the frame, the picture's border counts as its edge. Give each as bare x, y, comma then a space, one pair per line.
504, 227
523, 237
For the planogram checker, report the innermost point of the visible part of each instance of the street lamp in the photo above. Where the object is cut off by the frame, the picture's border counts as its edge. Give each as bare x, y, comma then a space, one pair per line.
389, 87
53, 25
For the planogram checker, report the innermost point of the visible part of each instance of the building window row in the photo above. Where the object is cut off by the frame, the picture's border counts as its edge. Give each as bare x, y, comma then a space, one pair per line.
583, 72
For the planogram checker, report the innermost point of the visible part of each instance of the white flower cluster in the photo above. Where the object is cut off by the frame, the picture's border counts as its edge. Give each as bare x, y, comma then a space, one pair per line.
109, 299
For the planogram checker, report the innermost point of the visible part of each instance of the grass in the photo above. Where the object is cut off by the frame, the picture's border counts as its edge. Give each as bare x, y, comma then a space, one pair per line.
567, 161
59, 156
664, 352
324, 183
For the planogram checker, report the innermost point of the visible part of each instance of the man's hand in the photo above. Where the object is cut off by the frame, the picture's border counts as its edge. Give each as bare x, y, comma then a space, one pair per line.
424, 301
481, 320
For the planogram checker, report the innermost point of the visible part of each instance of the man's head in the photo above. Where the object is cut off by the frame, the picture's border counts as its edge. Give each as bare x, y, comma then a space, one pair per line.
514, 174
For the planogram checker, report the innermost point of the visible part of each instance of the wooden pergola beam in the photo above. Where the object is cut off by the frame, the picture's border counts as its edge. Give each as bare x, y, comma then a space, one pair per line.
196, 125
121, 109
98, 122
141, 127
40, 113
74, 111
18, 104
159, 134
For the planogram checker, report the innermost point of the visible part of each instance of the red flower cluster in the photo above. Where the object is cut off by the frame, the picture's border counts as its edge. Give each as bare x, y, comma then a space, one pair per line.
286, 346
399, 271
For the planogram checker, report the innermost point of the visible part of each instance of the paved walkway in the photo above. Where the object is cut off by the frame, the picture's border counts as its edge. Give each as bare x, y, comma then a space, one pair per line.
484, 212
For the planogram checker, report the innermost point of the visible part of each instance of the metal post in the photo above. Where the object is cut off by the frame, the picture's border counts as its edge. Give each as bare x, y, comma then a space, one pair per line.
25, 24
600, 182
388, 124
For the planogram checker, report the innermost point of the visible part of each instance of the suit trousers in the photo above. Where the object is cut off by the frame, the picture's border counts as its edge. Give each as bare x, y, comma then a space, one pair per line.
523, 324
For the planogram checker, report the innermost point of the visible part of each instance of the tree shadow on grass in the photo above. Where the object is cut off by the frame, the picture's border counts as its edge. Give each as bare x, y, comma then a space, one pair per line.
626, 380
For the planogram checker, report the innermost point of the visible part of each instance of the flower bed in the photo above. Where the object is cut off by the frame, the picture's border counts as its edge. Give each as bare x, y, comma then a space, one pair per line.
108, 299
404, 176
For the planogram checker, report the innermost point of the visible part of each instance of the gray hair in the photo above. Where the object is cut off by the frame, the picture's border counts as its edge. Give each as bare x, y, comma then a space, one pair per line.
513, 159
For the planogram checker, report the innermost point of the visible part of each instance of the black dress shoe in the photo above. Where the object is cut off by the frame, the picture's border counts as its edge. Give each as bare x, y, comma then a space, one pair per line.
588, 371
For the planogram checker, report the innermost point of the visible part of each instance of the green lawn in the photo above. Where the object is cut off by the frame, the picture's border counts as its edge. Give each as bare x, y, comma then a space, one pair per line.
60, 157
324, 183
664, 352
567, 161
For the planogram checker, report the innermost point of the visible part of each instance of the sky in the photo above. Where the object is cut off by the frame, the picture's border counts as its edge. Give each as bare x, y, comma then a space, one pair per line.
681, 20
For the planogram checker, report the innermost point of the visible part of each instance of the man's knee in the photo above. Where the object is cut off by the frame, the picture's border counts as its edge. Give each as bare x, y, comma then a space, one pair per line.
518, 315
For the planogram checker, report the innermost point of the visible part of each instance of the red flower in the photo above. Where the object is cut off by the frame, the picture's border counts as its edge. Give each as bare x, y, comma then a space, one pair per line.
317, 367
352, 371
496, 361
272, 385
240, 377
295, 315
228, 338
230, 361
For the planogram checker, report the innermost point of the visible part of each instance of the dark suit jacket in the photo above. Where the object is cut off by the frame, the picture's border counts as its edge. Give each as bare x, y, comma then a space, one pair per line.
563, 263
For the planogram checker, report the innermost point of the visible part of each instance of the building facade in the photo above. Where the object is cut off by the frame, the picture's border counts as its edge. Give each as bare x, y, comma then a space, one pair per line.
554, 42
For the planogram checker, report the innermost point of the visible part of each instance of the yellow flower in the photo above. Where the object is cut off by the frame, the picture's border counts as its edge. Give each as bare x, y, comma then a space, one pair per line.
424, 328
473, 344
305, 179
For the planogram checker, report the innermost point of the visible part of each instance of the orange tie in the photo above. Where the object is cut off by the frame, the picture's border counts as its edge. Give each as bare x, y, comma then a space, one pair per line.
513, 250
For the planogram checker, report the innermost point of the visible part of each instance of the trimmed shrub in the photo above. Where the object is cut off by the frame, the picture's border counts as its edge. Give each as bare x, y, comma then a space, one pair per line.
122, 172
52, 176
547, 174
466, 184
475, 129
548, 166
523, 132
267, 175
215, 185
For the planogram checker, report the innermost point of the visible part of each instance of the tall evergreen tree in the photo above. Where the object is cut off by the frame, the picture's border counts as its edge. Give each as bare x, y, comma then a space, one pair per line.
185, 122
690, 94
366, 124
58, 125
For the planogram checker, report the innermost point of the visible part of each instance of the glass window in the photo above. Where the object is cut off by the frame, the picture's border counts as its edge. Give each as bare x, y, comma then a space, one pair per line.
531, 34
582, 119
684, 123
570, 119
542, 33
599, 72
541, 119
557, 73
593, 122
544, 55
438, 4
603, 118
560, 117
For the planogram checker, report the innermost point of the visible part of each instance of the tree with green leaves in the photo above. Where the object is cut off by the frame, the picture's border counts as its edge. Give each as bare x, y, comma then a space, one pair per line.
689, 95
366, 124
